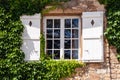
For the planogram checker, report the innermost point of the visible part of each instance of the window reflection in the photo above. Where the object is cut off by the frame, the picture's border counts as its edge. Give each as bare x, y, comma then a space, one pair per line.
67, 23
49, 23
57, 23
67, 54
57, 33
74, 23
67, 33
49, 53
75, 44
56, 44
74, 33
49, 44
49, 33
67, 44
75, 54
56, 54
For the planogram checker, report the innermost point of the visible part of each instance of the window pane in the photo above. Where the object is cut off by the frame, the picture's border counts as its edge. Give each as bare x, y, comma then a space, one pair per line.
56, 44
75, 54
49, 23
57, 23
75, 44
74, 23
56, 54
67, 23
49, 53
67, 54
67, 44
67, 33
74, 33
49, 33
49, 44
57, 33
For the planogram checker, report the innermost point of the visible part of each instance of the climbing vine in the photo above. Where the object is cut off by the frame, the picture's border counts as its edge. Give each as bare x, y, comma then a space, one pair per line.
112, 32
12, 64
42, 47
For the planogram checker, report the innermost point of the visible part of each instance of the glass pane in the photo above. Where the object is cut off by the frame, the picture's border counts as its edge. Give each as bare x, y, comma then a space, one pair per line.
67, 54
74, 33
56, 44
75, 44
67, 44
67, 23
49, 33
74, 23
57, 33
49, 44
67, 33
49, 53
57, 23
49, 23
75, 54
56, 54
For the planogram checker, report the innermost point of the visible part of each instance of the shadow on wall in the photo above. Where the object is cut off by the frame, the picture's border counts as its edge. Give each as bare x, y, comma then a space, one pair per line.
30, 43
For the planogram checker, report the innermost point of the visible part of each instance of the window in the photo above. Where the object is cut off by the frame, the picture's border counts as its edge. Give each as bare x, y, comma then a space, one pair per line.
62, 37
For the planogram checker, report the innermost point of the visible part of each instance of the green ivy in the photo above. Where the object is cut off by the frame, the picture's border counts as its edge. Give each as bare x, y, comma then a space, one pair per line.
11, 40
60, 69
42, 47
112, 32
45, 70
12, 64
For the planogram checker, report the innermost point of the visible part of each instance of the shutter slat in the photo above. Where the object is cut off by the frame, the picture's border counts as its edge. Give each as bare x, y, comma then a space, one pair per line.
31, 36
92, 31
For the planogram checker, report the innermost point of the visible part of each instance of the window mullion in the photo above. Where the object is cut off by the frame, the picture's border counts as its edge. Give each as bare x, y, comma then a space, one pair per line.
71, 40
53, 42
62, 39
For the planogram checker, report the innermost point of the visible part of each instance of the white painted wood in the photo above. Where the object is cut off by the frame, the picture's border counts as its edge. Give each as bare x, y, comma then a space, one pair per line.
31, 37
92, 37
62, 28
33, 31
31, 49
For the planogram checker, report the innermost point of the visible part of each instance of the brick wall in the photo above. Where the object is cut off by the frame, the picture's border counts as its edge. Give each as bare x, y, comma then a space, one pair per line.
107, 70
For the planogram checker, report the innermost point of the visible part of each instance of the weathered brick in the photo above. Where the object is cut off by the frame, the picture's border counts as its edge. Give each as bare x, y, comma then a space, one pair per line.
106, 79
101, 71
107, 54
118, 76
114, 76
118, 71
114, 71
95, 65
107, 75
113, 50
118, 66
112, 66
94, 76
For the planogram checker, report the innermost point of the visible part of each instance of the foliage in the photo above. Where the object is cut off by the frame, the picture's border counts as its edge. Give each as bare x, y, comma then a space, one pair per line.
12, 64
45, 70
60, 69
2, 34
11, 41
112, 32
42, 47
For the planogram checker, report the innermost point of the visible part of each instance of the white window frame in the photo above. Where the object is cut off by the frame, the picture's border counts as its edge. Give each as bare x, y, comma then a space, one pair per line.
62, 18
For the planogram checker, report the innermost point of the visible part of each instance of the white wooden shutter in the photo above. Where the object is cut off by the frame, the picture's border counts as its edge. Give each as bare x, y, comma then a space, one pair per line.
92, 31
31, 36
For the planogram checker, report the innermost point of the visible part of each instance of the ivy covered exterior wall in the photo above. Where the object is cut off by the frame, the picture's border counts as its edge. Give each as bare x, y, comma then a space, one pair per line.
13, 66
107, 70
